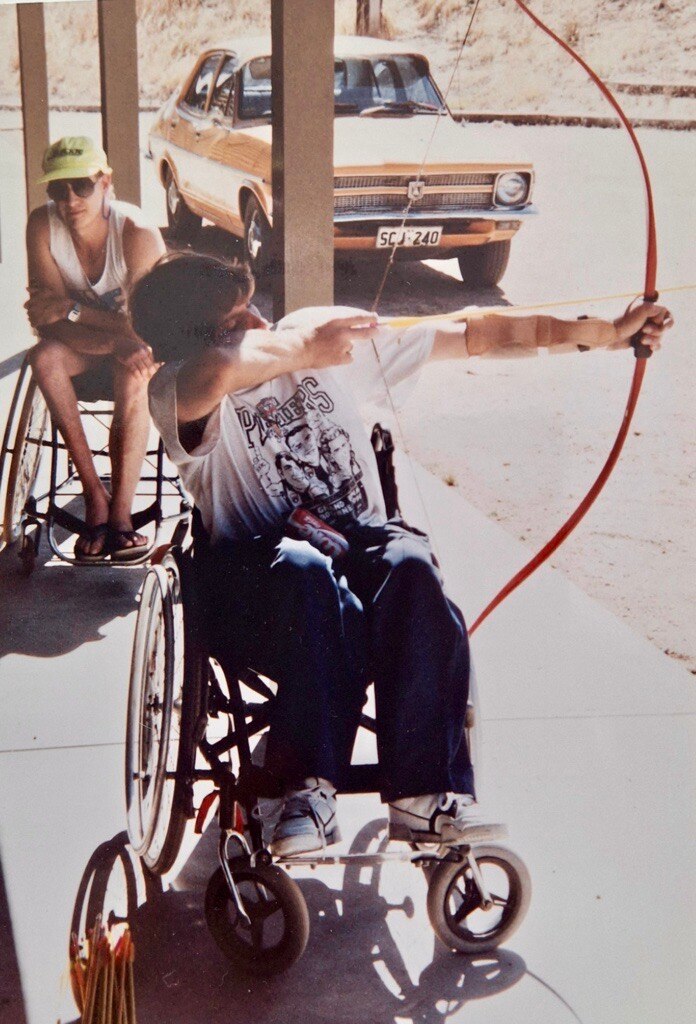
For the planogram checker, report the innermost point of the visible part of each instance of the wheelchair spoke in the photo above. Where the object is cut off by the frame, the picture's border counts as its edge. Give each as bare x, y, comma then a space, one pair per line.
159, 787
257, 931
151, 721
262, 906
470, 900
464, 910
267, 908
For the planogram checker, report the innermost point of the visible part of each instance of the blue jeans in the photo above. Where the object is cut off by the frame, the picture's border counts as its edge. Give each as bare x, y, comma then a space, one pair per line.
323, 631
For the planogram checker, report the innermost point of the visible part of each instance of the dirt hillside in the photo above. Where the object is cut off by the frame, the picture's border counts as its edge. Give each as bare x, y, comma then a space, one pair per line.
508, 64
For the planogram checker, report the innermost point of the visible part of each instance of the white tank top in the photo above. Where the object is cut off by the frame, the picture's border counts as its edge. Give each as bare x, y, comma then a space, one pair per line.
109, 292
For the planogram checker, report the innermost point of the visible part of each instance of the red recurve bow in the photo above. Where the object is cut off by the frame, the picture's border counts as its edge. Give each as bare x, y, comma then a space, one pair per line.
642, 352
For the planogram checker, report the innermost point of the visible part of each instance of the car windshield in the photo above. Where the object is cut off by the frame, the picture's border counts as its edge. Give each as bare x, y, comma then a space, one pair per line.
392, 84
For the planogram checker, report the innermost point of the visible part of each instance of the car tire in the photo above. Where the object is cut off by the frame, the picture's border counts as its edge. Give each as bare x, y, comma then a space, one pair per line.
484, 265
257, 238
184, 225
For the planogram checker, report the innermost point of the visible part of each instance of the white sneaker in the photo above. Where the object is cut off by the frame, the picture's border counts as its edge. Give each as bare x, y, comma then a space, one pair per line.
453, 818
307, 821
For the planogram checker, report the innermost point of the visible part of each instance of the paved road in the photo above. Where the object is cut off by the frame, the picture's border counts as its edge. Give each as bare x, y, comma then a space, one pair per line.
587, 755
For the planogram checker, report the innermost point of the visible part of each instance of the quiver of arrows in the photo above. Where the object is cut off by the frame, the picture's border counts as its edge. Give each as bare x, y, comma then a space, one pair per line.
101, 975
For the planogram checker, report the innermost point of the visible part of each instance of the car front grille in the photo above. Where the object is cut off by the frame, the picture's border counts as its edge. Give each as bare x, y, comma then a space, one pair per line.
397, 201
402, 180
474, 192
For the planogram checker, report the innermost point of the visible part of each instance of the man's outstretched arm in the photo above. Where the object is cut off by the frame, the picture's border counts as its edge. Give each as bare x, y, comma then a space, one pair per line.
506, 335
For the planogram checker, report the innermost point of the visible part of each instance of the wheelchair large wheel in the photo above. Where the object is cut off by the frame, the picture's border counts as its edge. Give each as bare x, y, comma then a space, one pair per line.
163, 715
277, 935
32, 424
455, 905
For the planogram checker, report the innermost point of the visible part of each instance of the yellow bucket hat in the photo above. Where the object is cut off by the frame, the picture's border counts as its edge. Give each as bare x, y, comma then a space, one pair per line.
74, 156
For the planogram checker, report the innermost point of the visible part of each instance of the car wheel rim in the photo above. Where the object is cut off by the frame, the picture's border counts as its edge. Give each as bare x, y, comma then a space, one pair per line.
173, 198
254, 238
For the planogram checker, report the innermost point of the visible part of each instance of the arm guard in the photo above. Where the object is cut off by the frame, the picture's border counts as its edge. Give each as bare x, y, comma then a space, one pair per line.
508, 335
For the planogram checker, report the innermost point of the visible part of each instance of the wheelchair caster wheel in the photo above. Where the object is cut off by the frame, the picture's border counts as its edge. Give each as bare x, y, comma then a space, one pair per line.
456, 908
279, 921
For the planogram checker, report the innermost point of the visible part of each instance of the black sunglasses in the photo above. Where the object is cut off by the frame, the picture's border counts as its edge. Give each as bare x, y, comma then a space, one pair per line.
59, 191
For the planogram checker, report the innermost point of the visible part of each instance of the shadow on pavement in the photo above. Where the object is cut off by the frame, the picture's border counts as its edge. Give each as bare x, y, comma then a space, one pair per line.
57, 609
352, 963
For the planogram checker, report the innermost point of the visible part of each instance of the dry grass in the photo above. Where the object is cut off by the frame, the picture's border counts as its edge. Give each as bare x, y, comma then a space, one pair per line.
508, 63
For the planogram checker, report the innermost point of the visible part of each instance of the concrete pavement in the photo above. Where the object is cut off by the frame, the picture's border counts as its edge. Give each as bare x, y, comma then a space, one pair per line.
588, 744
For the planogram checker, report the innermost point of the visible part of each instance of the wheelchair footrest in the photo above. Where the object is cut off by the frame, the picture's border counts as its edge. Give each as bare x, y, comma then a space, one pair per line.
483, 833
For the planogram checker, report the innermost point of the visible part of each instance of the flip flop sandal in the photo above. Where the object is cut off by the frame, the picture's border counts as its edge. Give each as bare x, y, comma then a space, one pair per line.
90, 534
119, 553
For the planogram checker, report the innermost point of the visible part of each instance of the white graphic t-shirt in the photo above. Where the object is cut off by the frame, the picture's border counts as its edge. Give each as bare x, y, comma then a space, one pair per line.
295, 441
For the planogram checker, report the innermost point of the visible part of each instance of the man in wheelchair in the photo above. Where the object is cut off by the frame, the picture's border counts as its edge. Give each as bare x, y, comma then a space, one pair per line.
84, 249
255, 417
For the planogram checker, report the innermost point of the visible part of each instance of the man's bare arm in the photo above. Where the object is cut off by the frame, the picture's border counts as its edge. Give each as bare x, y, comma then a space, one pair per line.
262, 355
142, 247
49, 302
99, 331
509, 334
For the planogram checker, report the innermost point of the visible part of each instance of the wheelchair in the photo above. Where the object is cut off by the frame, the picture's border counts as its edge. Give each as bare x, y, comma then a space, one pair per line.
192, 719
28, 432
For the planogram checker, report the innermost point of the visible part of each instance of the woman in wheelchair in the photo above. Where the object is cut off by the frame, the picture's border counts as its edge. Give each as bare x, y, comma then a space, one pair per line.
232, 396
84, 250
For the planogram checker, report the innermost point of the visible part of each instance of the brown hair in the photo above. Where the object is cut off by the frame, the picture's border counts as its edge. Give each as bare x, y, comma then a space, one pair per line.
176, 307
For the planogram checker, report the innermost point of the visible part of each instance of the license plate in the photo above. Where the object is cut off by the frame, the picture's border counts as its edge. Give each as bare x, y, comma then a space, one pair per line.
388, 237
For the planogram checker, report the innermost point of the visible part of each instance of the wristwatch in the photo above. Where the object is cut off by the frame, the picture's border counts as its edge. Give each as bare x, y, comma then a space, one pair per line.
74, 313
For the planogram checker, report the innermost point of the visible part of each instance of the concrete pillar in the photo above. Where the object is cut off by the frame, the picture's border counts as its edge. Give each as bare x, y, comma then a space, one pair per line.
302, 153
368, 20
118, 65
34, 86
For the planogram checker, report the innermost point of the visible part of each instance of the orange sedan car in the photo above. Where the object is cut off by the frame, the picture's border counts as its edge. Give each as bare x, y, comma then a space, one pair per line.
211, 144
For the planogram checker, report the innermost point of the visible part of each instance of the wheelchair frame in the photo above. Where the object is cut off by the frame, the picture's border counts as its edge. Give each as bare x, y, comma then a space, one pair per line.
30, 430
176, 690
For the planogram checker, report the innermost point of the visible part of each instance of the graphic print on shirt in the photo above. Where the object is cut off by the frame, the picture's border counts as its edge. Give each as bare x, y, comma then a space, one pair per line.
300, 455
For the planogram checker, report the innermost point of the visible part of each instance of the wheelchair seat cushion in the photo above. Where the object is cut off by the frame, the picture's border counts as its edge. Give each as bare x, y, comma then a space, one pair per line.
96, 384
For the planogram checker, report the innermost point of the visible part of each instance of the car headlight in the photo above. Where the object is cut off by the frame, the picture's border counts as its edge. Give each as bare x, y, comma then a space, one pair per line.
511, 189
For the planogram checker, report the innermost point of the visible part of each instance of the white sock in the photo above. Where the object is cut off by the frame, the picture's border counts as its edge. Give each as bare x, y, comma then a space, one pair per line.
425, 805
420, 805
313, 782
